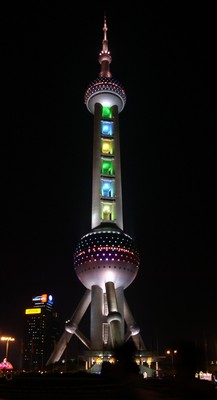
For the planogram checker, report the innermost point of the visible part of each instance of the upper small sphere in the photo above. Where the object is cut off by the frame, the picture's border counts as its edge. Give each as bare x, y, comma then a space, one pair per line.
106, 91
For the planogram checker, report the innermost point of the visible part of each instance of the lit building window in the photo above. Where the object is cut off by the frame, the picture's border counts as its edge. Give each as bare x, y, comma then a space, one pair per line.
107, 188
107, 167
107, 146
106, 112
107, 128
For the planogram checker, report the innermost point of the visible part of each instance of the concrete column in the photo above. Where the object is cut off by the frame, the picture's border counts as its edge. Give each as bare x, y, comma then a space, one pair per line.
96, 318
114, 317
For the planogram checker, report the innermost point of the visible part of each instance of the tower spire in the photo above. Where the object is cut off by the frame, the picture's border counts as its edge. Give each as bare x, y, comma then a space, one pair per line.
105, 58
105, 90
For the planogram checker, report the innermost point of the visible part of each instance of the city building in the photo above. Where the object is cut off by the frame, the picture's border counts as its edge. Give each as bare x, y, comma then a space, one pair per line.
41, 331
106, 260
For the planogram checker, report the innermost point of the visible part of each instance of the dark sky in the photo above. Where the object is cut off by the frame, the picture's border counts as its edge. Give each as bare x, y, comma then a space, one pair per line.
161, 56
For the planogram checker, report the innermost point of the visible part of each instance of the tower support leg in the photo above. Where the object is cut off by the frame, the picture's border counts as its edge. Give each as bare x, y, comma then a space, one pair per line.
96, 318
114, 317
133, 329
70, 328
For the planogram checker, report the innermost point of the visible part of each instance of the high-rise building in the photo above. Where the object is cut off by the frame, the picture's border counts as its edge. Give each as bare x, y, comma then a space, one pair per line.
41, 331
106, 259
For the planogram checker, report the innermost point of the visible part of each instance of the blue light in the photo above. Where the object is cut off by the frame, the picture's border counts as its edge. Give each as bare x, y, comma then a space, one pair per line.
50, 299
106, 186
107, 189
106, 128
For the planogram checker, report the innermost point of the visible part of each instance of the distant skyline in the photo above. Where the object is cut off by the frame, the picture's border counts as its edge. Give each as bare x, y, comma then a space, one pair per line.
161, 56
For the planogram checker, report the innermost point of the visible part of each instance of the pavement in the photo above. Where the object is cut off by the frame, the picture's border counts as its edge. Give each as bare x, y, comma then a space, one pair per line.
83, 386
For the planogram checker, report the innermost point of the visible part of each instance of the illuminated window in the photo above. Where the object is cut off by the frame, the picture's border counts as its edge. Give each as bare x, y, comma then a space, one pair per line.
105, 332
107, 167
107, 146
107, 188
107, 128
107, 212
106, 112
107, 215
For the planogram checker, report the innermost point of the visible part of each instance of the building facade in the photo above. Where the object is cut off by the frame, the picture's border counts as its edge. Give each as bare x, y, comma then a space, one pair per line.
41, 331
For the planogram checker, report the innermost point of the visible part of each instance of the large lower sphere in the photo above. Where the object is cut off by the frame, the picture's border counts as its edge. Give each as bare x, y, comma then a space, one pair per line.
106, 256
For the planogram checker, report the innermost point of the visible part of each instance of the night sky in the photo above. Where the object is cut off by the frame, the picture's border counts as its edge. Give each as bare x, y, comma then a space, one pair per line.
161, 56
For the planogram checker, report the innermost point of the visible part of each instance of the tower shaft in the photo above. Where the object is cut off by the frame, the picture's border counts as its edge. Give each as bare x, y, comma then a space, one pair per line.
106, 183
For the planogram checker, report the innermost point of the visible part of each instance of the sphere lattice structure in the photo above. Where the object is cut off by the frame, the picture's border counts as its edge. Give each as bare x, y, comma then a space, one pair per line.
106, 255
106, 91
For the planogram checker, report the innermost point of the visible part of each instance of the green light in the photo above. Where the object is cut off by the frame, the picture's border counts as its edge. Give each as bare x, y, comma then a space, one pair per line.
107, 167
106, 112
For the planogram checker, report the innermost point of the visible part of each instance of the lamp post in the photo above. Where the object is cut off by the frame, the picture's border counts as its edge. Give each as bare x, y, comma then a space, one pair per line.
172, 353
7, 339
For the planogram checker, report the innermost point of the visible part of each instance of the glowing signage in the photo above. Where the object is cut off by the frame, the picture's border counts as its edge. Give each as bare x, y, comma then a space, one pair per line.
43, 298
204, 375
33, 311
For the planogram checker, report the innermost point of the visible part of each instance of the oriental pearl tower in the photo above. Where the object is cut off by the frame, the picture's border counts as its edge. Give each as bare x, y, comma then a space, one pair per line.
106, 259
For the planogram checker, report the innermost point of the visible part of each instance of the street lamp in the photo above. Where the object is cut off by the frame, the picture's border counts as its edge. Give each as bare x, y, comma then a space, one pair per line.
7, 339
172, 353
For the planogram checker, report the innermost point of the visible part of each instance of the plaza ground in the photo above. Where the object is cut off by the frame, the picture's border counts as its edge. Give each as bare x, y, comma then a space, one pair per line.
83, 386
